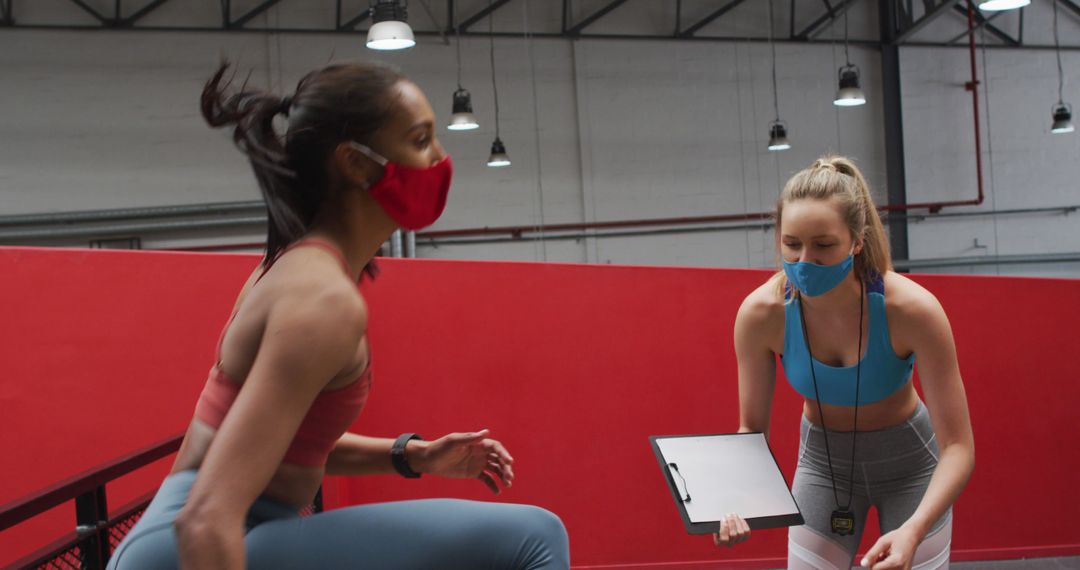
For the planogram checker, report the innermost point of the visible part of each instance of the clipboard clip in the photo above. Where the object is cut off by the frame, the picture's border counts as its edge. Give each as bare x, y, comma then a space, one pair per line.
674, 469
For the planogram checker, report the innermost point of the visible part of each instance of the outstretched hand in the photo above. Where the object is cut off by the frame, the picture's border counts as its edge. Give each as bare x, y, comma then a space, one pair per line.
894, 550
470, 456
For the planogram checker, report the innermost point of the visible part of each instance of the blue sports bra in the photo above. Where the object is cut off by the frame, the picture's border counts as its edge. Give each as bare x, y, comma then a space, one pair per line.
883, 373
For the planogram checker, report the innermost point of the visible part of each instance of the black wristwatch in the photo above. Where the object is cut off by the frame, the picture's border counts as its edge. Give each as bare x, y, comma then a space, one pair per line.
397, 455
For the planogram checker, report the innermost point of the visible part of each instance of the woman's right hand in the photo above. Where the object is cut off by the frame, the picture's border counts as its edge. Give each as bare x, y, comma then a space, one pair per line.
733, 530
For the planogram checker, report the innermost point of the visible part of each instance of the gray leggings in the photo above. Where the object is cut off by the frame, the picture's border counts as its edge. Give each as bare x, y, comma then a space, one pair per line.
892, 472
425, 534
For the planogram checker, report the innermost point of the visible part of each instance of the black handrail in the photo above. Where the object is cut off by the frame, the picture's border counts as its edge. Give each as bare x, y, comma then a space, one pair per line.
91, 545
36, 503
48, 555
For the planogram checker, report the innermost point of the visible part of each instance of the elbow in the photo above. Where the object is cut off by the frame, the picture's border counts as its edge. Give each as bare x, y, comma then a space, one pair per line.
198, 530
191, 528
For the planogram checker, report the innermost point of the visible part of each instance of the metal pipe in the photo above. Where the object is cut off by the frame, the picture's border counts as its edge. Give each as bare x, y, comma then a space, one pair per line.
129, 213
763, 225
1069, 257
395, 244
180, 225
132, 228
410, 244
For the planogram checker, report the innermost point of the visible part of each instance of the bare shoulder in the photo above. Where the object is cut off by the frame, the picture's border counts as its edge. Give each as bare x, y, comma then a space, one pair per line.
312, 294
760, 319
907, 300
763, 303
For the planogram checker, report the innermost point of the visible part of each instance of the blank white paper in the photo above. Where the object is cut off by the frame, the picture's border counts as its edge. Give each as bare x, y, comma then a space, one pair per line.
724, 474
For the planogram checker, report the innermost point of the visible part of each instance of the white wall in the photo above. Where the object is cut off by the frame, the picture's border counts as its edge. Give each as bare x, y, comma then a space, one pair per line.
627, 130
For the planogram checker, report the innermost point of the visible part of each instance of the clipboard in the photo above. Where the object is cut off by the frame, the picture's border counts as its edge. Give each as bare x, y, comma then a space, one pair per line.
710, 475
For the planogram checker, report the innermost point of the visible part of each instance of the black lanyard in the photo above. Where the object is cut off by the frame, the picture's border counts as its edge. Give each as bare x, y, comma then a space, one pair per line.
842, 520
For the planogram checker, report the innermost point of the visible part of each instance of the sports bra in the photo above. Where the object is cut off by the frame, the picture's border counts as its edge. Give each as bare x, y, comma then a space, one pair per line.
882, 374
332, 412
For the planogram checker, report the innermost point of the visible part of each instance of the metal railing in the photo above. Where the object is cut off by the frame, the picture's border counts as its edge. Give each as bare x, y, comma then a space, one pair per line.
96, 533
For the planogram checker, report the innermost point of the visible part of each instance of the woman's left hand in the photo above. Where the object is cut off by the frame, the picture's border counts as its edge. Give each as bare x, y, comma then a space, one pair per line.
893, 550
467, 456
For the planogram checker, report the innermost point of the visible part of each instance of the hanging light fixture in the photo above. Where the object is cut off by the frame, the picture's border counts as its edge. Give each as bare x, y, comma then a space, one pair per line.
1062, 111
778, 136
389, 30
462, 118
999, 5
1062, 119
498, 157
848, 94
777, 128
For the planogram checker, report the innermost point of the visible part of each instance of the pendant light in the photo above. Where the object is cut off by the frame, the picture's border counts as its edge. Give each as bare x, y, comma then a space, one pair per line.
462, 118
498, 158
848, 94
999, 5
389, 30
1062, 111
777, 128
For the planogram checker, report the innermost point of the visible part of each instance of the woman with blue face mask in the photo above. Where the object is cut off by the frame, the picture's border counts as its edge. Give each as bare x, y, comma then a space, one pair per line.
848, 331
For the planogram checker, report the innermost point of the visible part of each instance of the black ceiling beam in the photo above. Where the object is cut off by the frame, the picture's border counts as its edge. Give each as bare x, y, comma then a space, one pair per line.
791, 21
130, 20
576, 30
981, 21
5, 13
431, 16
828, 8
1071, 6
710, 18
91, 11
351, 24
483, 14
328, 29
922, 22
978, 25
828, 17
252, 14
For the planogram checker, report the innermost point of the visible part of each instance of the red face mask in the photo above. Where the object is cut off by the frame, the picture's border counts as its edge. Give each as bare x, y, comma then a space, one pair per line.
412, 197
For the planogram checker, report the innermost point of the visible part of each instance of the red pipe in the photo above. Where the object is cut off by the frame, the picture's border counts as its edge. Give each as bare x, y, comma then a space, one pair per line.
517, 231
933, 207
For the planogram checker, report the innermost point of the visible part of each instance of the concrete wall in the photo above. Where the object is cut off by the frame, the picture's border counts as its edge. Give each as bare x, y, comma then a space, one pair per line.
597, 129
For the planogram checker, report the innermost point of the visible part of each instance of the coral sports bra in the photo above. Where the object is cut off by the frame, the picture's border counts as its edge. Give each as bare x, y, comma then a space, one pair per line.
332, 412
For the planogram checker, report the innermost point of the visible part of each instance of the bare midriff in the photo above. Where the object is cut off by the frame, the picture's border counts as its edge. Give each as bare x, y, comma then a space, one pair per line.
294, 485
891, 411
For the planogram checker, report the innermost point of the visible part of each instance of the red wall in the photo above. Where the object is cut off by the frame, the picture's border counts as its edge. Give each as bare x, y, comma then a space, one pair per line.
571, 366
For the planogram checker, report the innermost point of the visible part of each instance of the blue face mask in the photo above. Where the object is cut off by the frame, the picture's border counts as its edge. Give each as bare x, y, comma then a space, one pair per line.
812, 279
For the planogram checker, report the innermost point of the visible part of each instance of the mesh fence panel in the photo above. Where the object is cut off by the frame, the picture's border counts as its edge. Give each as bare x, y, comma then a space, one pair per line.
120, 528
72, 559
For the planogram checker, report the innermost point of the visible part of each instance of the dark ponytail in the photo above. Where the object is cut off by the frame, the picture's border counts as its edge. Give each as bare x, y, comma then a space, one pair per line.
331, 105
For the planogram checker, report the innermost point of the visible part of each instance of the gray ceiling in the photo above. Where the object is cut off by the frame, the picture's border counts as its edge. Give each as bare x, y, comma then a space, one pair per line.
914, 22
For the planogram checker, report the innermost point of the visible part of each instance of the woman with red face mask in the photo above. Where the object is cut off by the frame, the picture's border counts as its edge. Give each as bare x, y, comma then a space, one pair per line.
848, 331
358, 160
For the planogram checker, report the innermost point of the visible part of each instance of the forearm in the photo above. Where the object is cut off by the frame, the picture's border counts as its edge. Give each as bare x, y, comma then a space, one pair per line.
951, 475
355, 454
